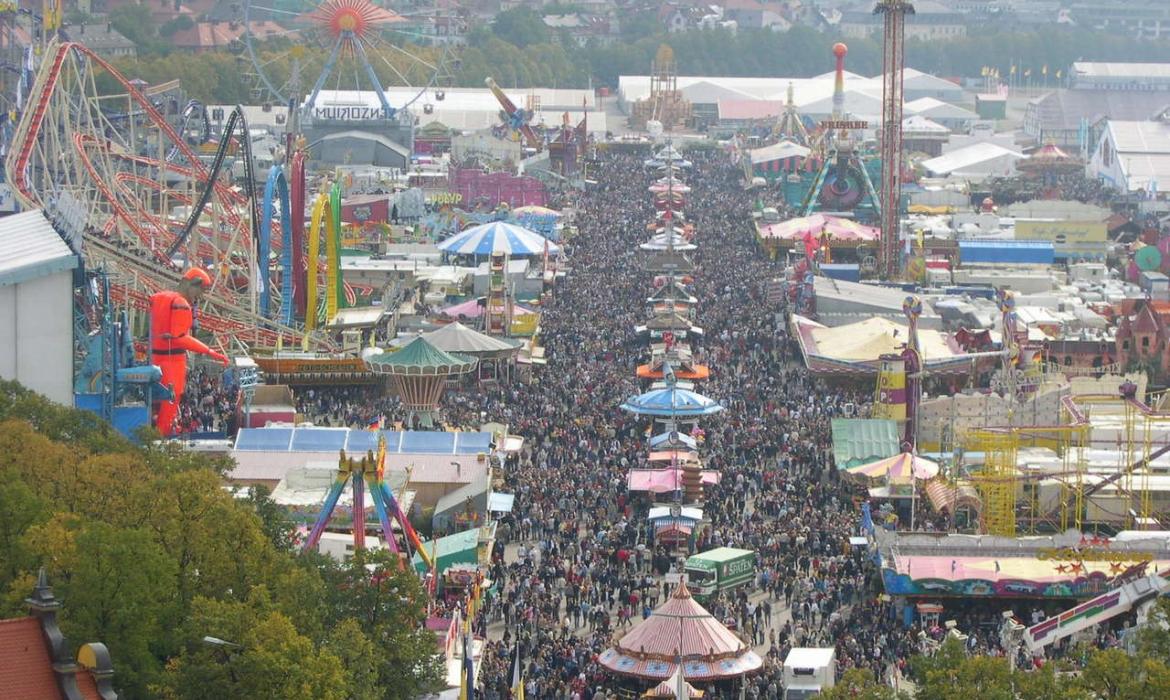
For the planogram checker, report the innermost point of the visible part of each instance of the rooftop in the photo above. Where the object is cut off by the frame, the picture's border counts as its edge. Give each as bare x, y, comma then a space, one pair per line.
1137, 71
30, 247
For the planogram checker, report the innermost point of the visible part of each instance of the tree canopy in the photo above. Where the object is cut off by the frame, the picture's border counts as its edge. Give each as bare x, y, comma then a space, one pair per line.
519, 50
149, 554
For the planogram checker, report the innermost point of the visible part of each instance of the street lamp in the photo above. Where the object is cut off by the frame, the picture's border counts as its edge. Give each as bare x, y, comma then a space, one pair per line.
229, 649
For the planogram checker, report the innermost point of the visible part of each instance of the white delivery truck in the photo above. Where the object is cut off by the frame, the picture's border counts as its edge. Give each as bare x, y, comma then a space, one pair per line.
808, 671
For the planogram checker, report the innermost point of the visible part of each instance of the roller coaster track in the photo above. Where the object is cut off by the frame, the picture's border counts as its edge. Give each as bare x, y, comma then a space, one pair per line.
236, 117
193, 108
123, 173
218, 314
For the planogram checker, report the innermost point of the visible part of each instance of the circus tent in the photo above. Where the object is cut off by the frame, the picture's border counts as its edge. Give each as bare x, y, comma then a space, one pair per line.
681, 630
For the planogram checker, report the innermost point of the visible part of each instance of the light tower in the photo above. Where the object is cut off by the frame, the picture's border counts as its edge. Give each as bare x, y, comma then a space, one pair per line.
893, 69
839, 52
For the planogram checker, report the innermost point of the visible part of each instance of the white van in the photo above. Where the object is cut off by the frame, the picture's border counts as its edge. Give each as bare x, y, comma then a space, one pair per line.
808, 671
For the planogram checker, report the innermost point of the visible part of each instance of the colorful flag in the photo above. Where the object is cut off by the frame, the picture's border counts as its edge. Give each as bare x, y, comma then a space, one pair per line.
517, 678
467, 676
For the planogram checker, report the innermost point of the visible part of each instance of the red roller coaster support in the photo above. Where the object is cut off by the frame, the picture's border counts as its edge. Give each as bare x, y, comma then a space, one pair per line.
299, 270
893, 69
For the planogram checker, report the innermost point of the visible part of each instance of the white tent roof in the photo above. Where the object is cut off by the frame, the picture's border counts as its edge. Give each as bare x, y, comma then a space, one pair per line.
779, 151
969, 158
937, 109
30, 247
917, 80
919, 124
1140, 137
456, 337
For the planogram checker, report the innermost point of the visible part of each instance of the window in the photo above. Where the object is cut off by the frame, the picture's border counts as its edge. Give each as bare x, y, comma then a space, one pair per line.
1145, 342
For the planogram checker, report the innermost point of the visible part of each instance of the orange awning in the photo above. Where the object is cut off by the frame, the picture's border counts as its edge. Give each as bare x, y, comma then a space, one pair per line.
696, 372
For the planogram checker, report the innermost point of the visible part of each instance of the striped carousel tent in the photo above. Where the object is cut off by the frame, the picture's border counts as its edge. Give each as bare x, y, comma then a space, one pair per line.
499, 237
419, 372
681, 633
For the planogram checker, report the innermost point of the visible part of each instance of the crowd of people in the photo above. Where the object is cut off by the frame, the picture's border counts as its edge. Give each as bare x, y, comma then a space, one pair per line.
588, 567
575, 564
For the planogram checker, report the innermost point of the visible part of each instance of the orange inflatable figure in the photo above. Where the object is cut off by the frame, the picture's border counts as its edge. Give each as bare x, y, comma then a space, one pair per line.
171, 316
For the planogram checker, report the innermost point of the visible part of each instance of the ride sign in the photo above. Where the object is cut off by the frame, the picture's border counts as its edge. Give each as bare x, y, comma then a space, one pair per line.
352, 113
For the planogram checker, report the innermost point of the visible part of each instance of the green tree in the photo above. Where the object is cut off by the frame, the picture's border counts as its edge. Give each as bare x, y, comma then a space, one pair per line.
1154, 639
20, 509
520, 27
177, 24
264, 656
110, 593
359, 657
388, 604
135, 23
859, 684
1116, 675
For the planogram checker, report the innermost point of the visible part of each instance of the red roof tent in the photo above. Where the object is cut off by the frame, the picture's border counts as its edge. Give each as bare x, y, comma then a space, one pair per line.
681, 627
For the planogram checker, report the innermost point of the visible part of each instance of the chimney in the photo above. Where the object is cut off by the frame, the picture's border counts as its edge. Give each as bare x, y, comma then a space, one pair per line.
43, 605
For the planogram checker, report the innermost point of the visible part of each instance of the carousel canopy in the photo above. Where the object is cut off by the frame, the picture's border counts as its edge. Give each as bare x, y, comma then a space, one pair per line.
472, 309
659, 163
674, 687
681, 630
664, 242
671, 401
674, 186
900, 467
534, 210
685, 513
456, 337
667, 322
672, 439
837, 228
673, 262
498, 237
419, 357
672, 291
668, 152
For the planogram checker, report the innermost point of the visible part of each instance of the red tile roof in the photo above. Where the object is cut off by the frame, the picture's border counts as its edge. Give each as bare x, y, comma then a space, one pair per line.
26, 670
210, 35
87, 685
1146, 321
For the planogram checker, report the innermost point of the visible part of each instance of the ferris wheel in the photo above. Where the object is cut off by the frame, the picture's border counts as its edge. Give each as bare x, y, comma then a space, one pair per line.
346, 45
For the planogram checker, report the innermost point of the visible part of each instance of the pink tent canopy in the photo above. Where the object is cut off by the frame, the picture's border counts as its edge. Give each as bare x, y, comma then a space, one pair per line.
837, 228
668, 455
898, 468
664, 480
673, 187
472, 309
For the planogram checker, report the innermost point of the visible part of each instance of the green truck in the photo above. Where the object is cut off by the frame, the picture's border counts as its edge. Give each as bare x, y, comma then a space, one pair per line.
720, 569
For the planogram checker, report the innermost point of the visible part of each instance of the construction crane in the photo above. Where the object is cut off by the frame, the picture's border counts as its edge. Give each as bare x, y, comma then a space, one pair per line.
893, 69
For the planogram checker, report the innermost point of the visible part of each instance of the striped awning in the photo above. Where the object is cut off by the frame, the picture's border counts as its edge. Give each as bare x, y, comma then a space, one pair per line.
943, 495
681, 630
